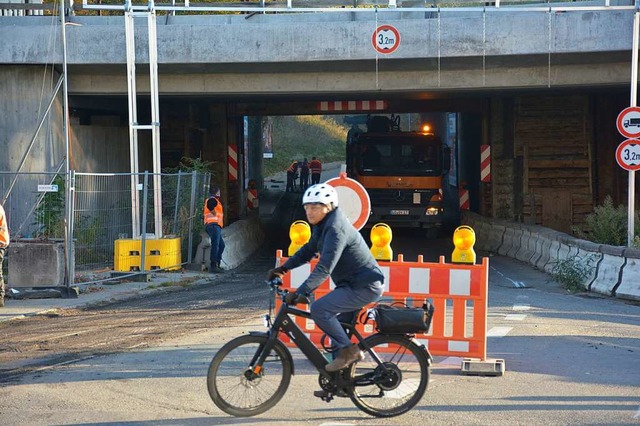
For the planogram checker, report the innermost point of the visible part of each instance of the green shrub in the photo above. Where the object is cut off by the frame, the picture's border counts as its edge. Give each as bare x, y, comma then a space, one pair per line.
608, 225
50, 212
573, 272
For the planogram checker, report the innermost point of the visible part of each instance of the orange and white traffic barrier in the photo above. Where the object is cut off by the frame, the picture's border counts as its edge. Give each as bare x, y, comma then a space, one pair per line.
457, 291
464, 199
252, 199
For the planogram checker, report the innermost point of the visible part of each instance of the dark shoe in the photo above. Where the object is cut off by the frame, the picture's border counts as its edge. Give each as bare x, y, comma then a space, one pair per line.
216, 269
323, 394
346, 357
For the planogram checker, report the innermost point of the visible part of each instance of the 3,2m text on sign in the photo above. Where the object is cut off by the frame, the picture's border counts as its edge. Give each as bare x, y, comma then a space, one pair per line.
386, 39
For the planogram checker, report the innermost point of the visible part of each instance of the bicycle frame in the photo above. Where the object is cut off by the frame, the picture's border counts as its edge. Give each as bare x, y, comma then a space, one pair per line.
284, 322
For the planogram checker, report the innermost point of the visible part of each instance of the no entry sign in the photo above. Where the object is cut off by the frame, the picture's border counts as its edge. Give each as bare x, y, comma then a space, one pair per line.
385, 39
628, 154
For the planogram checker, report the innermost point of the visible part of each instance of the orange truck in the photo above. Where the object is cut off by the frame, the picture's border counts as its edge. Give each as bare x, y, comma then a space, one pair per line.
401, 171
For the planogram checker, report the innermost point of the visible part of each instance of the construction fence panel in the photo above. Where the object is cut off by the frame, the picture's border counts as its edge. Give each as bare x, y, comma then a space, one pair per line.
34, 203
103, 214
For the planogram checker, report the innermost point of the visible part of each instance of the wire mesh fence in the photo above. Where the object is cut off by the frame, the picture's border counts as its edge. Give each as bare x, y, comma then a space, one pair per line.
105, 211
104, 207
34, 203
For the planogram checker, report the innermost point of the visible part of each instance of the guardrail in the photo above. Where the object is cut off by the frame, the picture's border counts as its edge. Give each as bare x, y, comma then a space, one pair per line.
616, 272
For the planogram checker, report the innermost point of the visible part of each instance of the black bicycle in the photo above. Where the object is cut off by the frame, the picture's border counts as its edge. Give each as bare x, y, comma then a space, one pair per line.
251, 373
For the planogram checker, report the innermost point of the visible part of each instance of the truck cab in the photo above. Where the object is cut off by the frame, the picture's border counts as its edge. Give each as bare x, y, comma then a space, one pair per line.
402, 172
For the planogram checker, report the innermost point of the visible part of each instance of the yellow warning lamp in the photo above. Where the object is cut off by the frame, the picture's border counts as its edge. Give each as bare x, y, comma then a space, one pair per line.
464, 238
381, 242
299, 232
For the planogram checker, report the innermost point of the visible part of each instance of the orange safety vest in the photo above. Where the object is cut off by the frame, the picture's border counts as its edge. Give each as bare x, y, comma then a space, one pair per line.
292, 168
315, 166
4, 229
213, 216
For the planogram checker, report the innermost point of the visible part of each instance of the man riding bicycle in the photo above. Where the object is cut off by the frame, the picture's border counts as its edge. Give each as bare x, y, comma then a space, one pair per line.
344, 256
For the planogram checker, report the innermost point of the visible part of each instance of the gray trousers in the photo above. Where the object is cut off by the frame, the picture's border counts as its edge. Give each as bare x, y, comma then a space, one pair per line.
325, 310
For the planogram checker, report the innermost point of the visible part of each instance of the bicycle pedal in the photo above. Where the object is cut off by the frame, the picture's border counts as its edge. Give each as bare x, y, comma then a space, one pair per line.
323, 395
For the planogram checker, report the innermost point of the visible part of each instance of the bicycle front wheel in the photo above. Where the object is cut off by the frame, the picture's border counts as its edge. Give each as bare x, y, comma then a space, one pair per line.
233, 386
394, 390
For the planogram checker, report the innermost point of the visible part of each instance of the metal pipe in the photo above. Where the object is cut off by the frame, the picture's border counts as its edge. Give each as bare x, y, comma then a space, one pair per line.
192, 209
257, 9
68, 230
33, 139
634, 90
145, 195
175, 209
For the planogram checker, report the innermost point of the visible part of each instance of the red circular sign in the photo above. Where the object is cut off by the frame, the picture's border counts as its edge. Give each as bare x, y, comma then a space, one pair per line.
385, 39
628, 122
628, 154
353, 200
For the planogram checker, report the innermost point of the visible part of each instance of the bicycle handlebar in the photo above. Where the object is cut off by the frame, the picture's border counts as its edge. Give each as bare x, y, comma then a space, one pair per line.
275, 285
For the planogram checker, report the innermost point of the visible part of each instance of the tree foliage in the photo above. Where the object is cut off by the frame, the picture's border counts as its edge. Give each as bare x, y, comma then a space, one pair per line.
299, 137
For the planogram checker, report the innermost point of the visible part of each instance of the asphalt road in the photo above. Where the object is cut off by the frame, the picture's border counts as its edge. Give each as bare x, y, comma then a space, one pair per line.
570, 359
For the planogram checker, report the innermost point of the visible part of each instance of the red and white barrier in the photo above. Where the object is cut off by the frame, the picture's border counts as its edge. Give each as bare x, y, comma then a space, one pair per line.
458, 293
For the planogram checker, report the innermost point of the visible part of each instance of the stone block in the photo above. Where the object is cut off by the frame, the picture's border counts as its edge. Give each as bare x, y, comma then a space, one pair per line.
35, 263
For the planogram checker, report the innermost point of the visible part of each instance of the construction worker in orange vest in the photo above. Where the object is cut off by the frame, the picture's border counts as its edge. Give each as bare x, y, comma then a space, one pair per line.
4, 243
213, 223
292, 170
316, 169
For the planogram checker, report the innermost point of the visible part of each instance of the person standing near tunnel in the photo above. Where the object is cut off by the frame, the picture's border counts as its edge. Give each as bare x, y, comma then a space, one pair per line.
316, 169
213, 222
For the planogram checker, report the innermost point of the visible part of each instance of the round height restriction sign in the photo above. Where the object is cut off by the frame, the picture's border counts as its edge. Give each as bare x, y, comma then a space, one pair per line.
628, 154
385, 39
353, 199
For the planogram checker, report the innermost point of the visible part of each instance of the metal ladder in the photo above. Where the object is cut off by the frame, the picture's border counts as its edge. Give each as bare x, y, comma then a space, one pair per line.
131, 13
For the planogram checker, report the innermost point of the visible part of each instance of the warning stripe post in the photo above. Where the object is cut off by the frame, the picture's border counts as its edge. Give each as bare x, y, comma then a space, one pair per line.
457, 291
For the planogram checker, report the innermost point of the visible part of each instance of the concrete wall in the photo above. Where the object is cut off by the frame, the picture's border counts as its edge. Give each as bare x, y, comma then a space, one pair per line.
25, 91
102, 146
616, 270
310, 53
242, 238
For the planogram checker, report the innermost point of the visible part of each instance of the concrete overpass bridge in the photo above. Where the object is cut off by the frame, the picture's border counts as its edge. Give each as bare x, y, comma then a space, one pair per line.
541, 84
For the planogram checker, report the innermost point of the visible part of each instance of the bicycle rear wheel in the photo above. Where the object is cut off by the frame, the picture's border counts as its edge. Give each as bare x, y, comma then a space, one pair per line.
396, 391
235, 389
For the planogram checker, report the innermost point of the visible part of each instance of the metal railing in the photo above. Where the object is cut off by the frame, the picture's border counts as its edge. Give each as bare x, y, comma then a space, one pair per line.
251, 7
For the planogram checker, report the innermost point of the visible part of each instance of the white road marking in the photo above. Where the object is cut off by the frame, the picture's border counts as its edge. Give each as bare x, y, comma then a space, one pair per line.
516, 284
498, 331
515, 317
521, 307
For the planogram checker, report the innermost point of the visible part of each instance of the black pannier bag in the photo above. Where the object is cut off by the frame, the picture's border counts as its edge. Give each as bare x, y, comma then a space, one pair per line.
401, 319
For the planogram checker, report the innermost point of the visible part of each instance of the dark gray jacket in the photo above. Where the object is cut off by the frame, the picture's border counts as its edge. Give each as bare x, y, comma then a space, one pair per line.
343, 254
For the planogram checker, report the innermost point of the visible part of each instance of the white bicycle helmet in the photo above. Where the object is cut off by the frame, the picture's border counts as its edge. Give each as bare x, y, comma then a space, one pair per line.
321, 193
